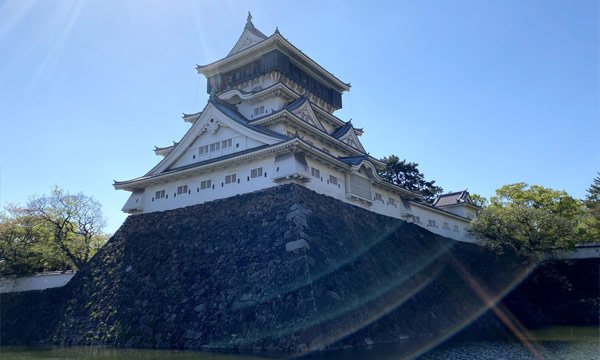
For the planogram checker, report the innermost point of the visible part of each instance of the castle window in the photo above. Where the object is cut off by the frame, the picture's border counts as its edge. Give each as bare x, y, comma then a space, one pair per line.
378, 197
202, 150
446, 226
392, 201
417, 220
333, 180
455, 228
160, 194
259, 110
431, 223
315, 172
205, 184
215, 146
226, 144
254, 173
359, 186
230, 179
182, 189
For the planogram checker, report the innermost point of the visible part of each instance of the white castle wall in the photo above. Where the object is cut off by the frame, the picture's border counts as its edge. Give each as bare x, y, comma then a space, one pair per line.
270, 105
238, 143
456, 228
35, 282
218, 190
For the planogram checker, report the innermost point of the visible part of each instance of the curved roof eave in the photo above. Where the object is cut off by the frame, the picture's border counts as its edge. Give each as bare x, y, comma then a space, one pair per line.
275, 40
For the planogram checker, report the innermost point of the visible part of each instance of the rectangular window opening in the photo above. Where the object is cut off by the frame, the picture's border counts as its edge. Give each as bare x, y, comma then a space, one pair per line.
333, 180
315, 172
205, 184
254, 173
160, 194
230, 179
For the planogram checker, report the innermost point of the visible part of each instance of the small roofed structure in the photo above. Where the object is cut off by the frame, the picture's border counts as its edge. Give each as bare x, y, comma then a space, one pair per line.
459, 203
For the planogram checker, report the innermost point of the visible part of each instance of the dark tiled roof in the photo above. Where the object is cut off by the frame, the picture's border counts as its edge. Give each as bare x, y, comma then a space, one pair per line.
234, 115
342, 130
198, 164
220, 158
297, 103
289, 107
453, 198
354, 160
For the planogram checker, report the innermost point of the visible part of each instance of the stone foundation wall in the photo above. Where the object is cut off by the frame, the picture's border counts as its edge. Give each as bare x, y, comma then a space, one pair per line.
284, 269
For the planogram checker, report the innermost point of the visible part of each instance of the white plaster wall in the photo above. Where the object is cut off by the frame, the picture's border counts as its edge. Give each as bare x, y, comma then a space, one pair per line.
385, 207
35, 282
587, 251
239, 143
217, 177
322, 185
315, 141
425, 214
271, 104
461, 210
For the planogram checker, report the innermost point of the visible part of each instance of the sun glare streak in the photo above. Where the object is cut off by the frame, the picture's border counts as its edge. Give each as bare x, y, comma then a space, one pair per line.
500, 311
374, 313
12, 13
379, 294
67, 15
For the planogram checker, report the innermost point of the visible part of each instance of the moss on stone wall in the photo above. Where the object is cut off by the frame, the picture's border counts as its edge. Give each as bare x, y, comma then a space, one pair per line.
282, 269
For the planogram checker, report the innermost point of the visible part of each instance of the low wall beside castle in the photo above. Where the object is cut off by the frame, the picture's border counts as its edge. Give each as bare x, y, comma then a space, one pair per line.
35, 282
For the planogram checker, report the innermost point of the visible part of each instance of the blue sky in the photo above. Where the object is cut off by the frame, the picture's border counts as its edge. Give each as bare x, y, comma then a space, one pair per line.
480, 94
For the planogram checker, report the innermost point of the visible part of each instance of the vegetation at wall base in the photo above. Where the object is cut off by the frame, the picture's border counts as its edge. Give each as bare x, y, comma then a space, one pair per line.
55, 232
522, 219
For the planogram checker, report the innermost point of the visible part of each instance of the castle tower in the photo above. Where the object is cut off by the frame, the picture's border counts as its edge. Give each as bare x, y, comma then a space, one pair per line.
269, 120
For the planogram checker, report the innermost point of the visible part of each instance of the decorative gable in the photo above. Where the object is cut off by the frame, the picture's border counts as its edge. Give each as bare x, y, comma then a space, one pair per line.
251, 36
212, 127
350, 138
306, 113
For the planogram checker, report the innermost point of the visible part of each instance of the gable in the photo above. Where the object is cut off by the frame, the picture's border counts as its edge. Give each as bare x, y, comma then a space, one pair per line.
306, 113
350, 138
246, 40
213, 127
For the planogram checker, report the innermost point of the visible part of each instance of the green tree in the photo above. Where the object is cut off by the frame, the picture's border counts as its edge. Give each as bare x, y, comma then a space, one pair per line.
18, 239
479, 200
60, 231
523, 218
407, 175
591, 220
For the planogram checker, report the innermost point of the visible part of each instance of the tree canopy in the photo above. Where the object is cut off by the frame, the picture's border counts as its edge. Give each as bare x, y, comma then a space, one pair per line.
591, 220
407, 175
523, 218
60, 231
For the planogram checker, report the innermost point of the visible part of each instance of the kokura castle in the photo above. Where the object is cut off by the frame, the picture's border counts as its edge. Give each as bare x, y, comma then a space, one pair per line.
270, 121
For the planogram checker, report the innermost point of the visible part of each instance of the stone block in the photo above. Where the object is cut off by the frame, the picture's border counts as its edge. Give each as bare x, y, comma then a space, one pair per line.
298, 244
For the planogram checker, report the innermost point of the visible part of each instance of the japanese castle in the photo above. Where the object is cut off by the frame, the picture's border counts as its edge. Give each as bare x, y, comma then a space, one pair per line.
269, 121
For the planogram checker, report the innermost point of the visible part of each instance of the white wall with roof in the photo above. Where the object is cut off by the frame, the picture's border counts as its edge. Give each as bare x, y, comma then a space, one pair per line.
435, 221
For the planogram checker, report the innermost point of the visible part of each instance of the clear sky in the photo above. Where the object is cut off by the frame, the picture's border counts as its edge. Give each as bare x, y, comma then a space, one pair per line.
479, 93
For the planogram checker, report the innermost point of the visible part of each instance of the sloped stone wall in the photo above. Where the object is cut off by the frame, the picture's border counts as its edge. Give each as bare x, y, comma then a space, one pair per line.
284, 269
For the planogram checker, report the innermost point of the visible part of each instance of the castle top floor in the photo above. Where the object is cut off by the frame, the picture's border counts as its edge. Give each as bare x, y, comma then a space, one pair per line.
255, 55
